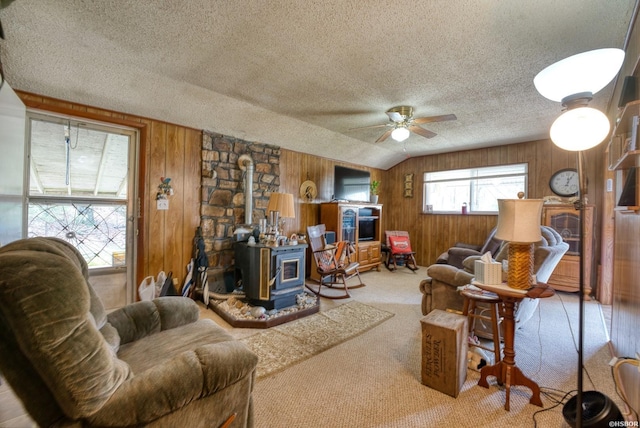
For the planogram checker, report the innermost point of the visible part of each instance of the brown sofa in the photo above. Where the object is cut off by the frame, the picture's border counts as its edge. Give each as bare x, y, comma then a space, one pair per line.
455, 255
150, 363
440, 288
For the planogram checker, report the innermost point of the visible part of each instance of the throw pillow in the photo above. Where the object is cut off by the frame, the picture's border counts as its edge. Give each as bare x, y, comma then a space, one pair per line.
400, 244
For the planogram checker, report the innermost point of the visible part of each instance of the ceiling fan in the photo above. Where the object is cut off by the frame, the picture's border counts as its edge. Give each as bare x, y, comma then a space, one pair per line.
403, 123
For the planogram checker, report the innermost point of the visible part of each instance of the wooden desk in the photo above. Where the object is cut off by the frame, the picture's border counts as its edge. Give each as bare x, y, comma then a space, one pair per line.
506, 370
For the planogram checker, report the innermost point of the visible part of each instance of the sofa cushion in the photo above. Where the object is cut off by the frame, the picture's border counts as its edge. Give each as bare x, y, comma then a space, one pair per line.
492, 244
152, 350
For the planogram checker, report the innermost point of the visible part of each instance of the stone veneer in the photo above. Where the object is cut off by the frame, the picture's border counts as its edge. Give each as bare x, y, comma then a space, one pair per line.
222, 202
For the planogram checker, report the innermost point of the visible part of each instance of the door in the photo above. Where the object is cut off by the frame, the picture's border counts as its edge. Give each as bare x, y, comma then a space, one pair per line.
81, 188
12, 144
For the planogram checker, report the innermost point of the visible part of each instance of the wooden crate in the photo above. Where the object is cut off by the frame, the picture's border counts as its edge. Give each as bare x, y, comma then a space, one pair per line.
444, 351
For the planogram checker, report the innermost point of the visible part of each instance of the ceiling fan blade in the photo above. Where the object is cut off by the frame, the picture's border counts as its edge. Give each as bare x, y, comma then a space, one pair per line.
395, 116
429, 119
372, 126
384, 136
421, 131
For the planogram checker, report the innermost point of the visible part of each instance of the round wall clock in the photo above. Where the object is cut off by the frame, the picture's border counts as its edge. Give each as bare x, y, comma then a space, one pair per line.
565, 182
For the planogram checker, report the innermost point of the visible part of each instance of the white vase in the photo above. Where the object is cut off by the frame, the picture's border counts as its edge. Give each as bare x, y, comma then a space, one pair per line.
374, 199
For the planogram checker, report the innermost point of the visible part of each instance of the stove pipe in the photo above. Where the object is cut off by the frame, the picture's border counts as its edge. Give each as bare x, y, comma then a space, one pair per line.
246, 164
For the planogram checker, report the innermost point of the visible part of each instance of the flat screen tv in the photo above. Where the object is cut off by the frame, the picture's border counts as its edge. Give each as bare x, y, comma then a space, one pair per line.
351, 184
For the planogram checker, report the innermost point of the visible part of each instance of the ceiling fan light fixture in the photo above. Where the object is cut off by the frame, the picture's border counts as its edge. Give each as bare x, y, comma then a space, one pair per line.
400, 134
580, 128
588, 71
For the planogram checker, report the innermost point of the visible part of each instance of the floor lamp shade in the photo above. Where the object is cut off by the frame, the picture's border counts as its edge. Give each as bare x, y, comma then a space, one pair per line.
519, 225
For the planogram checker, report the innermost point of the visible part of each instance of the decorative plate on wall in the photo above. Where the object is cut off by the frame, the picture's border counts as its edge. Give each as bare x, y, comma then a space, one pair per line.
308, 190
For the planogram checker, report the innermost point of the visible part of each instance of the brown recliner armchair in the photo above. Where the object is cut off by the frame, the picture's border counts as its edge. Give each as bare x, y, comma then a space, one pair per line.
455, 255
440, 289
151, 363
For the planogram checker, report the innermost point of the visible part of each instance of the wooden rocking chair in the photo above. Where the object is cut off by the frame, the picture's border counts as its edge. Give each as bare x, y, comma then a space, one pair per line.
333, 263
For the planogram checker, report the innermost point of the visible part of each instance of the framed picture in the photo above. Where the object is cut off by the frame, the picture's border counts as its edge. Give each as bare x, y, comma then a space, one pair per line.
408, 185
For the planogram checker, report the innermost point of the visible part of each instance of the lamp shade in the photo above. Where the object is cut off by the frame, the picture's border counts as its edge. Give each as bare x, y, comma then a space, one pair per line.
519, 220
584, 72
400, 134
580, 128
282, 203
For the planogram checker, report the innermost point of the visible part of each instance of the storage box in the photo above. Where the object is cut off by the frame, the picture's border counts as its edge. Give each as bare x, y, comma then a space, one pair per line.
444, 351
488, 273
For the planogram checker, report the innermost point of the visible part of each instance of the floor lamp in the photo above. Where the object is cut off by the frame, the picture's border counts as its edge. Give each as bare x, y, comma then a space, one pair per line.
573, 81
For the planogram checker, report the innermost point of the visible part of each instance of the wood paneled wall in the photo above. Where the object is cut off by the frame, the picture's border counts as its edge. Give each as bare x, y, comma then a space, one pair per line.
166, 150
297, 167
433, 234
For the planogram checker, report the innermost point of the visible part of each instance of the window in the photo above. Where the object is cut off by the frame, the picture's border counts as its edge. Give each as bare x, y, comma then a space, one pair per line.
478, 188
79, 186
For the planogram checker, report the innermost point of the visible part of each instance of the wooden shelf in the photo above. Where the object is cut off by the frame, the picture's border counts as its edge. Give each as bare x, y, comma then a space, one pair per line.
626, 161
630, 209
618, 158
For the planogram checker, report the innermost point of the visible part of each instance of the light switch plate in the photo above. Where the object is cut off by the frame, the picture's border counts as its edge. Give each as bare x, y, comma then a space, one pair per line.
163, 204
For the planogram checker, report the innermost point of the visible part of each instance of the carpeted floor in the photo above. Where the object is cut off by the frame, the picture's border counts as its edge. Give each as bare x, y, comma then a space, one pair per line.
373, 380
290, 343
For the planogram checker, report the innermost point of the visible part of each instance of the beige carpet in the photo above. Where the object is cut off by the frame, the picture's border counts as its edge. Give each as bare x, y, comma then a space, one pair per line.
287, 344
373, 379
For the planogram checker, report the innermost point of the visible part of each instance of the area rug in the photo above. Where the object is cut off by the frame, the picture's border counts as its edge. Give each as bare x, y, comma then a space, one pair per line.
281, 346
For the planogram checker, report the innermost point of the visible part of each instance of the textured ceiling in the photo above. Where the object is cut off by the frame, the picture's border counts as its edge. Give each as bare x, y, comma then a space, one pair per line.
302, 74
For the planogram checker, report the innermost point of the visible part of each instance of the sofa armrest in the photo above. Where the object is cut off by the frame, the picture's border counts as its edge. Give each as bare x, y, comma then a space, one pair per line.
141, 319
449, 275
176, 383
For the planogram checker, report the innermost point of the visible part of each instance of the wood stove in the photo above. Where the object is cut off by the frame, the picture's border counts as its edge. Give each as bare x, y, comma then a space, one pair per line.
271, 277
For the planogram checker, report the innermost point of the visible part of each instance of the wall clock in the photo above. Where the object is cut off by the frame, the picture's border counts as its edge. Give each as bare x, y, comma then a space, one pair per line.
564, 182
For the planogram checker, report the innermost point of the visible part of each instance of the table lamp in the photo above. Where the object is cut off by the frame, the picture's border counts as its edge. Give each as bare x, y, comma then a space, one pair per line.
280, 207
519, 225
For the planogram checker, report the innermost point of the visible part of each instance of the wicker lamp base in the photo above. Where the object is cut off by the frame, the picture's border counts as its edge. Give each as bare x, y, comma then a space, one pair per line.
520, 265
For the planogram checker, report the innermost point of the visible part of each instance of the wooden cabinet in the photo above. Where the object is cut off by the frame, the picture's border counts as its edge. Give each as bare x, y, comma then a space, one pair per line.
565, 219
359, 224
369, 255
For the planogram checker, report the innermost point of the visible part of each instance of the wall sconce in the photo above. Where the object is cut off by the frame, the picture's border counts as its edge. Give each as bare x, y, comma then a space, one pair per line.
164, 191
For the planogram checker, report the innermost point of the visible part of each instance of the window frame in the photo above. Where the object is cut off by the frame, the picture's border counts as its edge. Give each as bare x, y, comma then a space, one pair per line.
131, 184
472, 177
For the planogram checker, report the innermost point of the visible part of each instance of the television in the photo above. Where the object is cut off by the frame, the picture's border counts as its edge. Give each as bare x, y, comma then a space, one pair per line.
351, 184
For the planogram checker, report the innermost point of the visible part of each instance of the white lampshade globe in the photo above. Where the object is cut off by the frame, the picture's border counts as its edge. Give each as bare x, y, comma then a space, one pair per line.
585, 72
580, 129
400, 134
